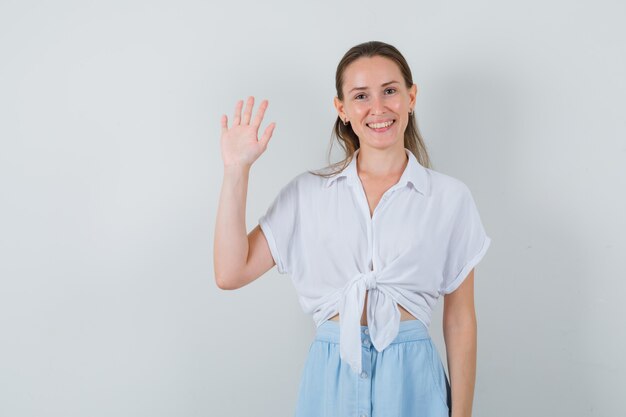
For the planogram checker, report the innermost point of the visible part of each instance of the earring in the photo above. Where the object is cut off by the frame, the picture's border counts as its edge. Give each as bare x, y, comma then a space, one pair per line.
345, 122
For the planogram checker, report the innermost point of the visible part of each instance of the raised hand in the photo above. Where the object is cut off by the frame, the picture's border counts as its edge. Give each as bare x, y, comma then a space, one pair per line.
240, 143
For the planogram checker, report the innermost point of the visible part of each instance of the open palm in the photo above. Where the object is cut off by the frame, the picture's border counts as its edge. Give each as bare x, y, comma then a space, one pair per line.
240, 143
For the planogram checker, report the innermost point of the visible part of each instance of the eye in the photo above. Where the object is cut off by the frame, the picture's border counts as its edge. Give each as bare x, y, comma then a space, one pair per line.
359, 95
393, 90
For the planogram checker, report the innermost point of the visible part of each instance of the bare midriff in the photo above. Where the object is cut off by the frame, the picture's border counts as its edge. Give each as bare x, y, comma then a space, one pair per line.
404, 315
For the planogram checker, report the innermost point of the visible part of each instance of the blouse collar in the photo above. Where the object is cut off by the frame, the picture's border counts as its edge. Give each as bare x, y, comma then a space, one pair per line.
414, 173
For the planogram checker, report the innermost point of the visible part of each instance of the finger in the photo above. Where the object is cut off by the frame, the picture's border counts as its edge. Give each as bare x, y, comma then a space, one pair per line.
237, 118
260, 113
267, 134
224, 124
248, 112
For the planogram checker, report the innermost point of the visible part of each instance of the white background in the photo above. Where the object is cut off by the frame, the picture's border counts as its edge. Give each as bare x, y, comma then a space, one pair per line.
110, 172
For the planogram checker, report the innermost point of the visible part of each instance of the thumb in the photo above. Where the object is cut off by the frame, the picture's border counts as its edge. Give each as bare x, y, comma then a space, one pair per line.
267, 134
224, 123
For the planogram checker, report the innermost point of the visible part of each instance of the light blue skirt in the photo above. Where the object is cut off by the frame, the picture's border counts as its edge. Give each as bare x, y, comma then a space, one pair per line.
406, 379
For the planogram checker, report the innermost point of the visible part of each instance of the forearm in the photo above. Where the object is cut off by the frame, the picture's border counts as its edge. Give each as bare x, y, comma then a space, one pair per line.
460, 339
231, 239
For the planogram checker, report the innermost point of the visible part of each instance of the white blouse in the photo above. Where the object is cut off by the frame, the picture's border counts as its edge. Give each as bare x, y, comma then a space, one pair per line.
423, 239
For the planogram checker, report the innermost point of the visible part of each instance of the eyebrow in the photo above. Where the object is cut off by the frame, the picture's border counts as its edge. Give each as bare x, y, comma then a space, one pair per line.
382, 85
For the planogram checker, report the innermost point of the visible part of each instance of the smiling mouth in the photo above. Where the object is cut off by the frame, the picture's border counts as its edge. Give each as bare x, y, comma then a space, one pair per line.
380, 126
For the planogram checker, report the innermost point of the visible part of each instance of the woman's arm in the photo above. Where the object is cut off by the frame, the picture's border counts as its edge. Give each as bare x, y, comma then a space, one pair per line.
239, 258
459, 331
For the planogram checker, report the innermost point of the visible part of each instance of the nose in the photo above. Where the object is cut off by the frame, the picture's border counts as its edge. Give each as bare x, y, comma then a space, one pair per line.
378, 106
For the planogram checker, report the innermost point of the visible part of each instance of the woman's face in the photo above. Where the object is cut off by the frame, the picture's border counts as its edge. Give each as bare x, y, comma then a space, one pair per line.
376, 101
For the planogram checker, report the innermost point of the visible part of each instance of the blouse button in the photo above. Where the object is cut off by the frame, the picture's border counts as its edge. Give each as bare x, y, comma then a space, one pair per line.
366, 331
363, 374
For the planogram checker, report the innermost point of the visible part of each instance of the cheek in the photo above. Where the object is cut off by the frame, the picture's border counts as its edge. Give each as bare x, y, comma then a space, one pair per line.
399, 105
359, 110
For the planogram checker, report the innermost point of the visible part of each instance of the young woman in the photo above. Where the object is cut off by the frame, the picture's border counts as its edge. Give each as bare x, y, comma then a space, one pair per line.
370, 244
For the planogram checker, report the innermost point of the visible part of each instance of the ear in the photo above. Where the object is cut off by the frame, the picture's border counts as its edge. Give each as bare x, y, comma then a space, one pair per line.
339, 106
412, 95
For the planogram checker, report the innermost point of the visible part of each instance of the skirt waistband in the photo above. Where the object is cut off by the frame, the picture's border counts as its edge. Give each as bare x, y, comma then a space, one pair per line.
409, 330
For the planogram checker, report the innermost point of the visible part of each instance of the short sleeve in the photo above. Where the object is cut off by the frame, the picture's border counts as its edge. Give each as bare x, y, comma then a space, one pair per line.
467, 246
279, 225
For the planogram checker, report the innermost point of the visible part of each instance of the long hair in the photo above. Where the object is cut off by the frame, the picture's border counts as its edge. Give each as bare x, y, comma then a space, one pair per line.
345, 136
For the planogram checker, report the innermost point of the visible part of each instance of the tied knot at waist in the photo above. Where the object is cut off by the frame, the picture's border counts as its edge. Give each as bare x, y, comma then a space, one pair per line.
383, 316
370, 280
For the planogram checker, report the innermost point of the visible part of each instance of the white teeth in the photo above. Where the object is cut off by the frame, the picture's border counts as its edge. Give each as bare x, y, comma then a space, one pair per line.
380, 125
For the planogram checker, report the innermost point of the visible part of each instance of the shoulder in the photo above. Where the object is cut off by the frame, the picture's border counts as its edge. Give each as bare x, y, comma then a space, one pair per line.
446, 188
304, 184
308, 180
455, 201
